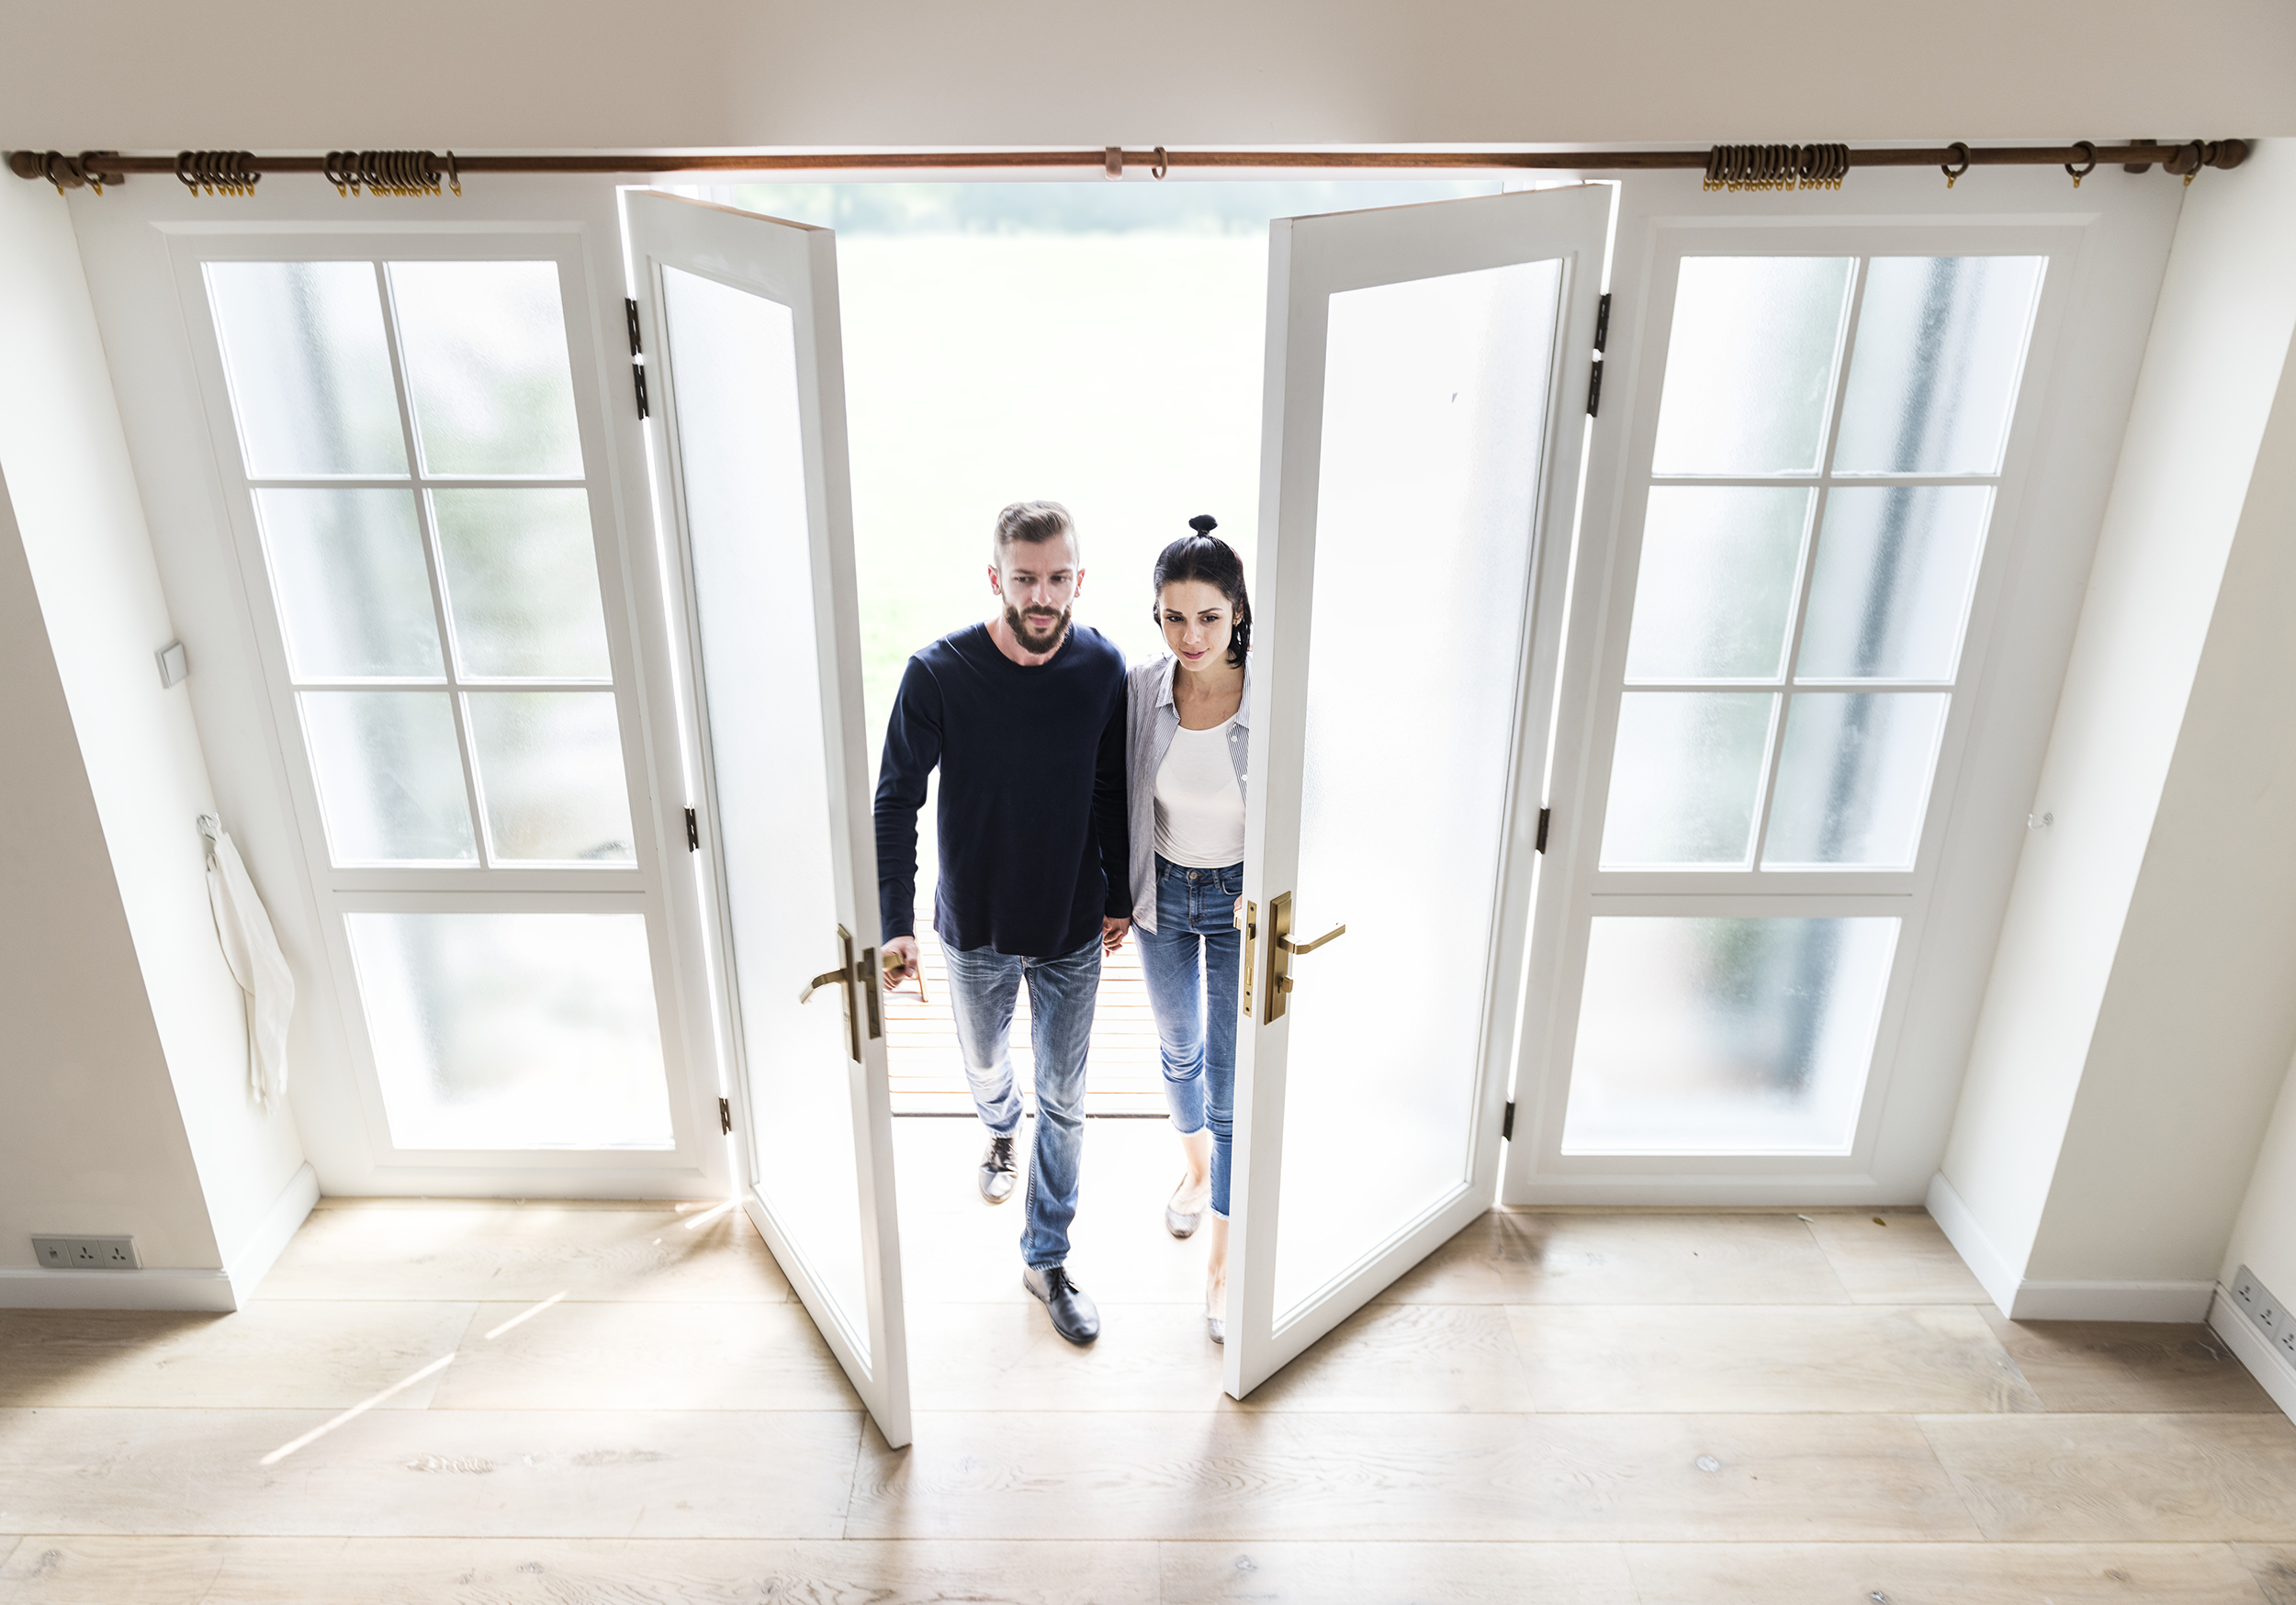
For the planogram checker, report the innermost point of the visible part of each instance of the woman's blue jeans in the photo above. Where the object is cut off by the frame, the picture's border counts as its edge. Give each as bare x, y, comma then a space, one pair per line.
1193, 961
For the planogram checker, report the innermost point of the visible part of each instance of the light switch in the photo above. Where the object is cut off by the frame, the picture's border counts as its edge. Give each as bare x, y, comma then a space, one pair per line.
173, 665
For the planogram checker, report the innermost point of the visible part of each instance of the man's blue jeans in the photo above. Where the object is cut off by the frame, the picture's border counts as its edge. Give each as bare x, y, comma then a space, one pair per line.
1193, 962
1063, 993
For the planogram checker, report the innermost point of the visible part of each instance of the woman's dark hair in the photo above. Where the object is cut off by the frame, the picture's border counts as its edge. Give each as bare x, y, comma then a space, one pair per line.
1204, 556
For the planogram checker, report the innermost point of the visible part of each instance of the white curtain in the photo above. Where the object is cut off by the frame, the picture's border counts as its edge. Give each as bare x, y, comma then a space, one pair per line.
251, 948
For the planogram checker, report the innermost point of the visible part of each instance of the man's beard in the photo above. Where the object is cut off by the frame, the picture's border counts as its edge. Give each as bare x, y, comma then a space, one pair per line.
1029, 640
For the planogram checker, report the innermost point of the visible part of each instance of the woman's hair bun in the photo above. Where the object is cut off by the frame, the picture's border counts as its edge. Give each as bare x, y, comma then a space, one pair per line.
1203, 523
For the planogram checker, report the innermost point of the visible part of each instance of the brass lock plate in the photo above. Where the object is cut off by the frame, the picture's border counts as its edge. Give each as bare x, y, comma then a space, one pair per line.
1279, 957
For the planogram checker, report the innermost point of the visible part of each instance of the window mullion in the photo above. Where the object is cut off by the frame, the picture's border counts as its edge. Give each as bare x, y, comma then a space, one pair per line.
432, 560
1807, 563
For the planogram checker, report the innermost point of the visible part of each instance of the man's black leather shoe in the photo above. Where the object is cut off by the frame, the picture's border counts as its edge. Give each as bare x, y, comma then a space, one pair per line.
1074, 1316
999, 1171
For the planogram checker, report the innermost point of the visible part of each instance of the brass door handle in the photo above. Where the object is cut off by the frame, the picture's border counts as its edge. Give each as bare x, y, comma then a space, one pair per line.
1282, 952
850, 978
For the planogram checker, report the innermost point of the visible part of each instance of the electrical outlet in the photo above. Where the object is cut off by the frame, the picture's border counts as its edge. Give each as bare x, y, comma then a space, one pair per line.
86, 1253
2271, 1317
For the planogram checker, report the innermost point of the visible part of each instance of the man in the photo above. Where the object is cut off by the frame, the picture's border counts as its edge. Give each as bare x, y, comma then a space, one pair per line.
1024, 715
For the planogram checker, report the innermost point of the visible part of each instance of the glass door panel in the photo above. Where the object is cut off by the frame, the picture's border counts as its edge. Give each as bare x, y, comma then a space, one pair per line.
1424, 428
1781, 706
744, 314
411, 429
1435, 409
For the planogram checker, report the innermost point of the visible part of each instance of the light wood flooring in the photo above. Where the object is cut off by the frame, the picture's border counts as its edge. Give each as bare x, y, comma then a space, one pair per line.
927, 1072
1597, 1408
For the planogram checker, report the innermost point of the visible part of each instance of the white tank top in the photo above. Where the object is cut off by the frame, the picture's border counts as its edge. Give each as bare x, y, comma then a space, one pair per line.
1199, 809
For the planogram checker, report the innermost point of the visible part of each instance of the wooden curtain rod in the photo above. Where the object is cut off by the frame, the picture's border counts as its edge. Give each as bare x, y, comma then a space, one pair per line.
1732, 166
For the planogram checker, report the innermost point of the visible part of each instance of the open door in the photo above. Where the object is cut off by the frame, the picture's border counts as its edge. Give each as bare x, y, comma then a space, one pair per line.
1428, 372
743, 363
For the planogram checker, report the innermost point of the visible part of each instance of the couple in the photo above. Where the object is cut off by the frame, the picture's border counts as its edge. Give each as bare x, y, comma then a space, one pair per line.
1077, 801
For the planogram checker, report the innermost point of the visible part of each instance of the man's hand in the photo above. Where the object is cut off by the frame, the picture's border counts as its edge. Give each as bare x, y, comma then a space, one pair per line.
1112, 934
906, 946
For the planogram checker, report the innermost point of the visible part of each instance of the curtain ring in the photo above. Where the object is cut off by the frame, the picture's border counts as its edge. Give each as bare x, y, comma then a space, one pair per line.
1953, 173
2088, 150
1164, 164
453, 173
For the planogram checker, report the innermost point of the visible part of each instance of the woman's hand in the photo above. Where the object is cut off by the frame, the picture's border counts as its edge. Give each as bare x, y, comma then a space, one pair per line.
1112, 934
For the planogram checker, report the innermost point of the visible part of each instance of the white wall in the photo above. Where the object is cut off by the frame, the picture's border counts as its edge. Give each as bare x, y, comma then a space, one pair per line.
83, 541
588, 74
90, 1139
2114, 1090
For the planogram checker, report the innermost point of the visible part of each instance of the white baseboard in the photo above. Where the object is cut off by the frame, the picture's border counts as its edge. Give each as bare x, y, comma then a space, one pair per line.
224, 1290
254, 1258
2265, 1362
2161, 1301
1985, 1262
148, 1289
2023, 1299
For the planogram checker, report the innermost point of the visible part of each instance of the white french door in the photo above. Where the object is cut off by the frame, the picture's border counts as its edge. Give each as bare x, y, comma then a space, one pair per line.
1426, 398
1776, 677
407, 429
739, 318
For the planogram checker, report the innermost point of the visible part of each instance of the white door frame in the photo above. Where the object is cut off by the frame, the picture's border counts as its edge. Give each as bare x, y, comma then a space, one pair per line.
1308, 260
2107, 250
793, 265
142, 246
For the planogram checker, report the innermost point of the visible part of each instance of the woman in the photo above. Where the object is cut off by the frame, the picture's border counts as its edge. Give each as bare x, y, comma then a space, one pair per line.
1190, 752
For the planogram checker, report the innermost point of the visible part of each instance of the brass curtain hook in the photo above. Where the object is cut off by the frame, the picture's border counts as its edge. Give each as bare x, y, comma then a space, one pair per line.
2088, 150
1953, 173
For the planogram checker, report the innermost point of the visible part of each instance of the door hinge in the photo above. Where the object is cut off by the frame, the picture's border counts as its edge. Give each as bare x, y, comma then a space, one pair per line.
1601, 321
637, 358
726, 1115
1506, 1125
629, 307
1594, 390
1545, 815
694, 832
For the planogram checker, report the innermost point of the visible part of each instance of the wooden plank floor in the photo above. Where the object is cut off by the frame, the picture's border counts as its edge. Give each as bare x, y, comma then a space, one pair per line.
621, 1403
1124, 1074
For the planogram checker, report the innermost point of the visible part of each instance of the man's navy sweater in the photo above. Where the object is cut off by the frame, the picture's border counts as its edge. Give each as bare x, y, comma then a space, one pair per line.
1035, 842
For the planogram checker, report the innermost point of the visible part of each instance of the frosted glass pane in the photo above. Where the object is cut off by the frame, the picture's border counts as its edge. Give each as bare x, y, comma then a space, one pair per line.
1895, 568
355, 594
1750, 364
389, 776
1434, 406
1853, 779
522, 583
1715, 588
734, 366
550, 773
310, 369
1685, 777
1726, 1036
485, 347
513, 1030
1940, 343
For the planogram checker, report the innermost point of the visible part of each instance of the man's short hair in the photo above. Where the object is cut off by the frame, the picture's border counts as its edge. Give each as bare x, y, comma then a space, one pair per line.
1034, 523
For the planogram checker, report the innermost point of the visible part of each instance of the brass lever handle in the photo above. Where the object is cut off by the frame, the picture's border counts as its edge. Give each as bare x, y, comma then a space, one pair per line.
1298, 948
853, 975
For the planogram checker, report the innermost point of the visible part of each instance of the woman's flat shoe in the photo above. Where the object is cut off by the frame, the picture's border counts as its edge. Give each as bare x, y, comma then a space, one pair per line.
1218, 1328
1182, 1224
